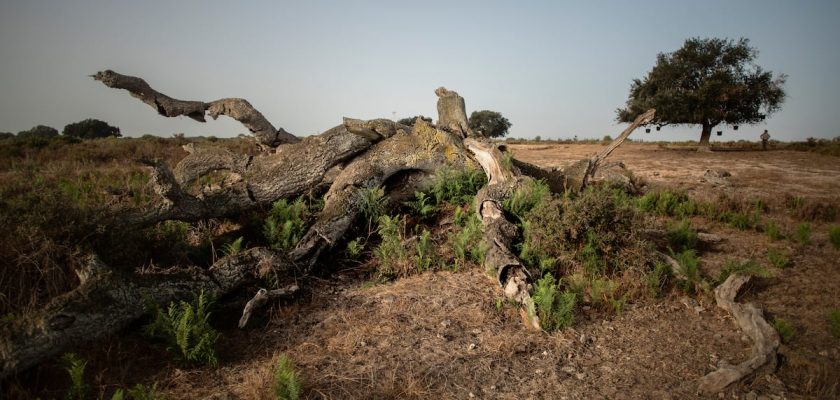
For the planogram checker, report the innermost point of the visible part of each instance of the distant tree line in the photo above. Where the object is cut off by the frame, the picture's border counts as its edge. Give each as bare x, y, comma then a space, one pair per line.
87, 129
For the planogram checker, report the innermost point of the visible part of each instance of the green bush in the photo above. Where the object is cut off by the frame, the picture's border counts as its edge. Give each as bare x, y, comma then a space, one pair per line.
771, 228
681, 237
690, 279
285, 224
778, 259
803, 233
834, 322
745, 268
834, 236
656, 278
554, 309
185, 327
785, 329
75, 367
525, 198
287, 385
742, 221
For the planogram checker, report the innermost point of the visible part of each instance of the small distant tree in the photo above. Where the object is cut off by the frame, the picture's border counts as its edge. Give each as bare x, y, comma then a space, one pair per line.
489, 123
707, 82
40, 131
6, 135
91, 129
410, 120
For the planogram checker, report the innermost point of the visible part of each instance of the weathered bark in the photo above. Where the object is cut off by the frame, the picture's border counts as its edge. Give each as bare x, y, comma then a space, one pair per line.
238, 109
294, 169
423, 149
751, 321
107, 301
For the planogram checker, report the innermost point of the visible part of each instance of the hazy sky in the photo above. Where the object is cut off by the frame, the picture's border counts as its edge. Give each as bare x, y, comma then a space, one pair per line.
553, 68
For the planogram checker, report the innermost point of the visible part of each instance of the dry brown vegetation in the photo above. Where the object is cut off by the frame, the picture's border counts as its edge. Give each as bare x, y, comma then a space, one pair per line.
443, 331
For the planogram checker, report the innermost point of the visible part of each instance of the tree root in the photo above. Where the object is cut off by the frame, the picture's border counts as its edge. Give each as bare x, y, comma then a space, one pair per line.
751, 320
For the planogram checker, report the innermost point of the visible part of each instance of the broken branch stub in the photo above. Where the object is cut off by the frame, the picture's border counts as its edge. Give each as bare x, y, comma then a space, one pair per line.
452, 114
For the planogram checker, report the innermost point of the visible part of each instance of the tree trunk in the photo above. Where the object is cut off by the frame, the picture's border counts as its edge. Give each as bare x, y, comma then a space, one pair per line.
705, 135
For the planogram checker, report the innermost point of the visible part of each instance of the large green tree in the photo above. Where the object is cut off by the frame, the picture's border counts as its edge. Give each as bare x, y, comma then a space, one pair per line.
707, 82
91, 129
489, 123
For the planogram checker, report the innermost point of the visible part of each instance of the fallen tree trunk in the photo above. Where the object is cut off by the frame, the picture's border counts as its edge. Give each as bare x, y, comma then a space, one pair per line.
354, 156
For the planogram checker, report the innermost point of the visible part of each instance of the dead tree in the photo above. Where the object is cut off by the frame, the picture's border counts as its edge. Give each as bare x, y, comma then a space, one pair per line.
346, 159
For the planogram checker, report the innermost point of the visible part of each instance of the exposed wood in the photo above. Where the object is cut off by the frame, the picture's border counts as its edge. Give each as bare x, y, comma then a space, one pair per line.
751, 321
238, 109
499, 233
261, 298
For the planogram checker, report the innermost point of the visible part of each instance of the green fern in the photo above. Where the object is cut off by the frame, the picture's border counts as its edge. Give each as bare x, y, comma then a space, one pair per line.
287, 385
555, 309
285, 224
186, 328
233, 248
75, 367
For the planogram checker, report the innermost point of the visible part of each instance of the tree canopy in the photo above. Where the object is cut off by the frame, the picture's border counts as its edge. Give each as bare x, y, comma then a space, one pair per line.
489, 123
40, 131
91, 129
707, 82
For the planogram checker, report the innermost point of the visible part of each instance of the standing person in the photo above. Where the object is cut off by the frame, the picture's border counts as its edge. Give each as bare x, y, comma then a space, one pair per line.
765, 137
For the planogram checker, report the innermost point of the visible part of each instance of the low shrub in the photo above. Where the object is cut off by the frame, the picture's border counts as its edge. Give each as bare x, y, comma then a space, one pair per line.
681, 236
785, 329
803, 233
834, 322
778, 259
745, 268
689, 279
834, 236
771, 228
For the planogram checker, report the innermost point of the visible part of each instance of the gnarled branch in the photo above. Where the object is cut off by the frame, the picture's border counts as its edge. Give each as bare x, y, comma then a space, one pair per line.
238, 109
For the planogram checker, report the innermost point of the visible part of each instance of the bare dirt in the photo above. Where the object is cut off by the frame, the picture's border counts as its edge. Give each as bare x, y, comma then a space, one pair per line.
447, 335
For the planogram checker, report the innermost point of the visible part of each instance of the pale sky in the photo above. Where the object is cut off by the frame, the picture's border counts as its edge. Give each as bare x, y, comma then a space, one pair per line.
554, 69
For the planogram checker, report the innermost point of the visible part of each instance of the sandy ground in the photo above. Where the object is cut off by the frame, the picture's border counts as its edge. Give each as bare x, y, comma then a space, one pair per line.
442, 335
